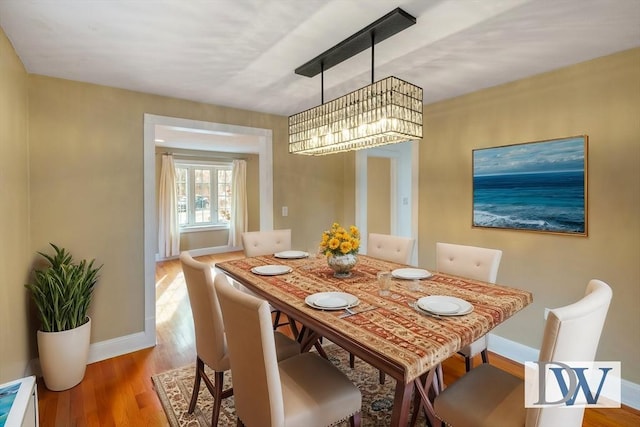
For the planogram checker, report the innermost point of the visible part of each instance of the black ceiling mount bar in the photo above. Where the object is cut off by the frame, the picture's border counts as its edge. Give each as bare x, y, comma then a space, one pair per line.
321, 83
390, 24
373, 53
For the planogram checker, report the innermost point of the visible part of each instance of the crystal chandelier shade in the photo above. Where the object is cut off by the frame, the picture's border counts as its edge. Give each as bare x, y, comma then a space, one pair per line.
385, 112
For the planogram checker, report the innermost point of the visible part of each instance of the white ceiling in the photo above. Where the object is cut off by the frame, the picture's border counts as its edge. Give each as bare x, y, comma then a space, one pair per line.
242, 53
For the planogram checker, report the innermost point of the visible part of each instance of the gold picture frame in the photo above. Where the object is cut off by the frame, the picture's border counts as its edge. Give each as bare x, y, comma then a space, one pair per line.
533, 186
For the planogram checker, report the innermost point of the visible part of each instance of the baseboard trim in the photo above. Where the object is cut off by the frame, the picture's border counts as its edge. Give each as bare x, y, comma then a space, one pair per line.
118, 346
511, 349
522, 353
214, 250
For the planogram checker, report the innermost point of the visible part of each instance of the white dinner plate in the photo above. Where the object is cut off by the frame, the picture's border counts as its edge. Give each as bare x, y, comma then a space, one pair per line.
291, 254
444, 305
410, 273
271, 270
332, 300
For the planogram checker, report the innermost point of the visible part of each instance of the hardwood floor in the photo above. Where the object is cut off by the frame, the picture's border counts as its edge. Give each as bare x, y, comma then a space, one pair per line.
119, 391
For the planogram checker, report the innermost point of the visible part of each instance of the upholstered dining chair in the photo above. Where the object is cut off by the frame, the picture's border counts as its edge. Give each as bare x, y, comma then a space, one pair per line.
211, 343
389, 248
471, 262
257, 243
304, 390
488, 396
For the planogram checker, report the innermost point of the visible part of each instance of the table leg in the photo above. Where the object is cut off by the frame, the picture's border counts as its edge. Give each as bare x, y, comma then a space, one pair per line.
427, 388
308, 339
401, 403
293, 326
417, 403
320, 350
301, 334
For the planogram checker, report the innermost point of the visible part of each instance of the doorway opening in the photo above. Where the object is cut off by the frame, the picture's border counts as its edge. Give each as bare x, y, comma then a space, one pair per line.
197, 135
399, 165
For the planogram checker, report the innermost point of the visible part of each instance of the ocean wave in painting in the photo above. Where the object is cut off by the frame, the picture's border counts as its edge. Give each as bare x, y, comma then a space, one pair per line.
546, 201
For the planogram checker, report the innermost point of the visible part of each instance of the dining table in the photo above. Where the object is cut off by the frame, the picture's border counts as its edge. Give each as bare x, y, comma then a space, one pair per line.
387, 331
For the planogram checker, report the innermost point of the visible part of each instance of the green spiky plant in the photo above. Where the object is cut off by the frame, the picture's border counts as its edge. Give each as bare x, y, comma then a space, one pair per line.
62, 292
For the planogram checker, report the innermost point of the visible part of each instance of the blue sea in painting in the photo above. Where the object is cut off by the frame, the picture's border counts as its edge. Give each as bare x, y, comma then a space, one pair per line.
7, 396
549, 201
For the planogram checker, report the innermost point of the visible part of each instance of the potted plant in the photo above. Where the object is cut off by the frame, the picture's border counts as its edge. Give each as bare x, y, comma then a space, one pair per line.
62, 294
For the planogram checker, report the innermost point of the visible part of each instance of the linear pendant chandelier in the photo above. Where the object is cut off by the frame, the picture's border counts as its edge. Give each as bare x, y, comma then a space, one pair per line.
385, 112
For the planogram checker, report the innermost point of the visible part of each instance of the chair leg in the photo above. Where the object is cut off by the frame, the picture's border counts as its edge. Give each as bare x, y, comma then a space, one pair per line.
293, 327
467, 363
215, 389
196, 385
218, 394
355, 420
276, 321
218, 379
352, 364
289, 322
485, 356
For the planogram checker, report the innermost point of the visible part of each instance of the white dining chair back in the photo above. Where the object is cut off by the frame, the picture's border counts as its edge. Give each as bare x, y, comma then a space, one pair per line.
572, 333
487, 396
390, 248
257, 243
304, 390
472, 262
211, 343
210, 337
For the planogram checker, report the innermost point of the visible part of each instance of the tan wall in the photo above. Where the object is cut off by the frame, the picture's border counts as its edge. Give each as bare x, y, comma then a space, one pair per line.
600, 98
87, 184
315, 195
15, 256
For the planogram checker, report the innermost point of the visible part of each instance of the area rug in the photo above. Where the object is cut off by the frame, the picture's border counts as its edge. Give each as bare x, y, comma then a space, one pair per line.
174, 389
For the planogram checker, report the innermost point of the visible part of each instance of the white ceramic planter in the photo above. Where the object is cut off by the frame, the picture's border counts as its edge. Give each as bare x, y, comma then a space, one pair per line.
64, 356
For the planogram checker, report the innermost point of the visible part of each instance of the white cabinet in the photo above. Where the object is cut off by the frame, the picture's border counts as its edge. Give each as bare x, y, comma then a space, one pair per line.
19, 403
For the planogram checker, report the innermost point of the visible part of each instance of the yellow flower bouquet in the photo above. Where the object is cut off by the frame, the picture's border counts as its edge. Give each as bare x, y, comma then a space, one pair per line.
340, 241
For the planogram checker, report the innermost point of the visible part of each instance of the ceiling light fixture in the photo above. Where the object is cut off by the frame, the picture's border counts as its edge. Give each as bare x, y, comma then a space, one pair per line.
384, 112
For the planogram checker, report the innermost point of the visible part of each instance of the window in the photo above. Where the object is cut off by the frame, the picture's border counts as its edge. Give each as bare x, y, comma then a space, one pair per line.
204, 193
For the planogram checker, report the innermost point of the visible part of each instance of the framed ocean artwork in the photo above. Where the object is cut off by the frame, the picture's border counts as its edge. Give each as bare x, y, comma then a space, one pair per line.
534, 186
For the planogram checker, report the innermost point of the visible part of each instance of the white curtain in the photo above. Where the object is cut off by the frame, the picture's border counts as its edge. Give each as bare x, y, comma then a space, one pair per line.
239, 220
168, 226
